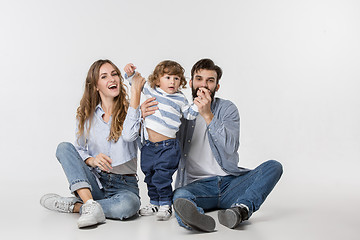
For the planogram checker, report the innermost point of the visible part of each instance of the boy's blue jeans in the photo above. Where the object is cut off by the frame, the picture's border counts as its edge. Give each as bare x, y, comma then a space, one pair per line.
219, 192
159, 162
119, 197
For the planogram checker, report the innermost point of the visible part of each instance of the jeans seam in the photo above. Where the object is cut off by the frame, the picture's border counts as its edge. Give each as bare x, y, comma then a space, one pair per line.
227, 190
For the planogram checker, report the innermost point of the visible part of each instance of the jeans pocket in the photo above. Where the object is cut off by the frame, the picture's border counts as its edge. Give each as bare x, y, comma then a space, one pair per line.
131, 181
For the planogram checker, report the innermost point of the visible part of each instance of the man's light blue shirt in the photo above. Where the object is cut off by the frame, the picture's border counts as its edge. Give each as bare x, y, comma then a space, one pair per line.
223, 133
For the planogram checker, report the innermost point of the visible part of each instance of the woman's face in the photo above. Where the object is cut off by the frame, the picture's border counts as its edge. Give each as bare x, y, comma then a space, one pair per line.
108, 84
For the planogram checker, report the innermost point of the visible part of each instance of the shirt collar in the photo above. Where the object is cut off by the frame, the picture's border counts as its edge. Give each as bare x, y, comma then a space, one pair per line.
99, 110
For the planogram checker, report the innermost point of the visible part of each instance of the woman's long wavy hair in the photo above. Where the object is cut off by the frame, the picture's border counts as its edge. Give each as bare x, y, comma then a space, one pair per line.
91, 98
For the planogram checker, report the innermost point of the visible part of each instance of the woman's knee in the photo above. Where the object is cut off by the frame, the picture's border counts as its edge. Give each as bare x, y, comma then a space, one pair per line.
125, 206
63, 149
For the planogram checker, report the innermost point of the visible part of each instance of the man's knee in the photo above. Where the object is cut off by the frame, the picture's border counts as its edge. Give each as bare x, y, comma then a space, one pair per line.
182, 193
276, 166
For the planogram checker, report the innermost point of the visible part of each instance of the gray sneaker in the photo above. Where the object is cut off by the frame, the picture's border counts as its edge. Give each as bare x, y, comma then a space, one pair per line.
91, 214
57, 203
232, 217
189, 215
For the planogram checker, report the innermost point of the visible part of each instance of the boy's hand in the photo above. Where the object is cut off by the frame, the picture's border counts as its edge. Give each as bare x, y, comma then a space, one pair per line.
129, 69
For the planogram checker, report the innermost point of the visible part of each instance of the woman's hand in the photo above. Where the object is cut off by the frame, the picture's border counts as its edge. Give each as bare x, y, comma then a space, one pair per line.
148, 107
137, 84
101, 160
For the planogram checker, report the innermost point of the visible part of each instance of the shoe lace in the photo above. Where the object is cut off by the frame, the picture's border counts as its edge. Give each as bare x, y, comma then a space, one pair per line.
88, 208
165, 208
63, 205
151, 207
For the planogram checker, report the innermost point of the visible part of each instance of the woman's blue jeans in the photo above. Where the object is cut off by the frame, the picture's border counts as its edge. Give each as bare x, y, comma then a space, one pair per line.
119, 197
219, 192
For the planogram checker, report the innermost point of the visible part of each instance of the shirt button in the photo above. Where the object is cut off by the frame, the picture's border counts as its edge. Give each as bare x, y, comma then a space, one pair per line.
189, 140
192, 126
156, 144
185, 155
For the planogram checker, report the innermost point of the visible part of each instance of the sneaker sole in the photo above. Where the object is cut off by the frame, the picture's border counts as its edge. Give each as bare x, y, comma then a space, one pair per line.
44, 198
90, 223
189, 214
162, 218
147, 214
228, 218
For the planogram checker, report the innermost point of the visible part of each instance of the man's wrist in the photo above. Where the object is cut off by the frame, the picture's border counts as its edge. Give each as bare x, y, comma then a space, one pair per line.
208, 118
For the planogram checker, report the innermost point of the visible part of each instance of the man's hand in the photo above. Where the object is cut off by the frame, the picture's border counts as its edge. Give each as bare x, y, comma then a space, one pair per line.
101, 160
203, 101
148, 107
129, 69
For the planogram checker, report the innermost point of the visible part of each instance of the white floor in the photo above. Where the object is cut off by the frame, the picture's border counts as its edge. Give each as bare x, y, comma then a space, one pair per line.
292, 211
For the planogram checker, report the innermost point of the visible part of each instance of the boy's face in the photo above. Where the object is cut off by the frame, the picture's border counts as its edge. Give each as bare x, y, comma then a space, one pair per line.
169, 83
206, 79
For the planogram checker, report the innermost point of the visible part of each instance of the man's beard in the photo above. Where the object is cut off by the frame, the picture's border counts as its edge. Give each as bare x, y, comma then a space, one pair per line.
194, 93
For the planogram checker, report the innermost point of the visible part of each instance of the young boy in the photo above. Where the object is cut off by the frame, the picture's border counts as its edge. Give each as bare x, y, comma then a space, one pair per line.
160, 153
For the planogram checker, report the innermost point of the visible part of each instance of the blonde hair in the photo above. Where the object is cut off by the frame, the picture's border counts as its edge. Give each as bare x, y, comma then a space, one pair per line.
91, 99
167, 67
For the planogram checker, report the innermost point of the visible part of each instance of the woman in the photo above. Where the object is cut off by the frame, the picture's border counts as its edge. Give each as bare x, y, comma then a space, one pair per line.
101, 166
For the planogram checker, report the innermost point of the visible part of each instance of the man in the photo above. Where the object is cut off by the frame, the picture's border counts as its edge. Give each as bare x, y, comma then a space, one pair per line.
208, 176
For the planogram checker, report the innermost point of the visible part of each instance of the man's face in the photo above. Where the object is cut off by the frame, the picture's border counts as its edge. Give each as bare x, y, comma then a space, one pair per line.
206, 79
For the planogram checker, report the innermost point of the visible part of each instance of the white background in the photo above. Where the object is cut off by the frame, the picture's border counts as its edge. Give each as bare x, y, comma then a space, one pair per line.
291, 67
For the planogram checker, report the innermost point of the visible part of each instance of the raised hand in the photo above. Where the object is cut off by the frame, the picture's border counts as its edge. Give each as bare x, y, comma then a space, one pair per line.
203, 101
129, 69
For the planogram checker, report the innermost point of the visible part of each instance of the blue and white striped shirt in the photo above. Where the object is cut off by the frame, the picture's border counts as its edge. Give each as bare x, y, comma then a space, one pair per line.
172, 107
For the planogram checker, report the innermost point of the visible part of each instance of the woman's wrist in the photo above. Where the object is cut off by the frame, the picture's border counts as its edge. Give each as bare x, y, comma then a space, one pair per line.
89, 161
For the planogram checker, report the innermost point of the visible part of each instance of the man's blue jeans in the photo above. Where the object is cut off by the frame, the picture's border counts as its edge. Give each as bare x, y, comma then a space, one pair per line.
119, 197
250, 189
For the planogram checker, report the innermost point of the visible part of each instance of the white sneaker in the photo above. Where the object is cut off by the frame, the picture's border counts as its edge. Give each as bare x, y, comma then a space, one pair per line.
164, 213
91, 214
148, 210
55, 202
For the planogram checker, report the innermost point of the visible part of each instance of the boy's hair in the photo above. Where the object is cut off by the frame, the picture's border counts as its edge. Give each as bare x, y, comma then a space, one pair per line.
207, 64
167, 67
